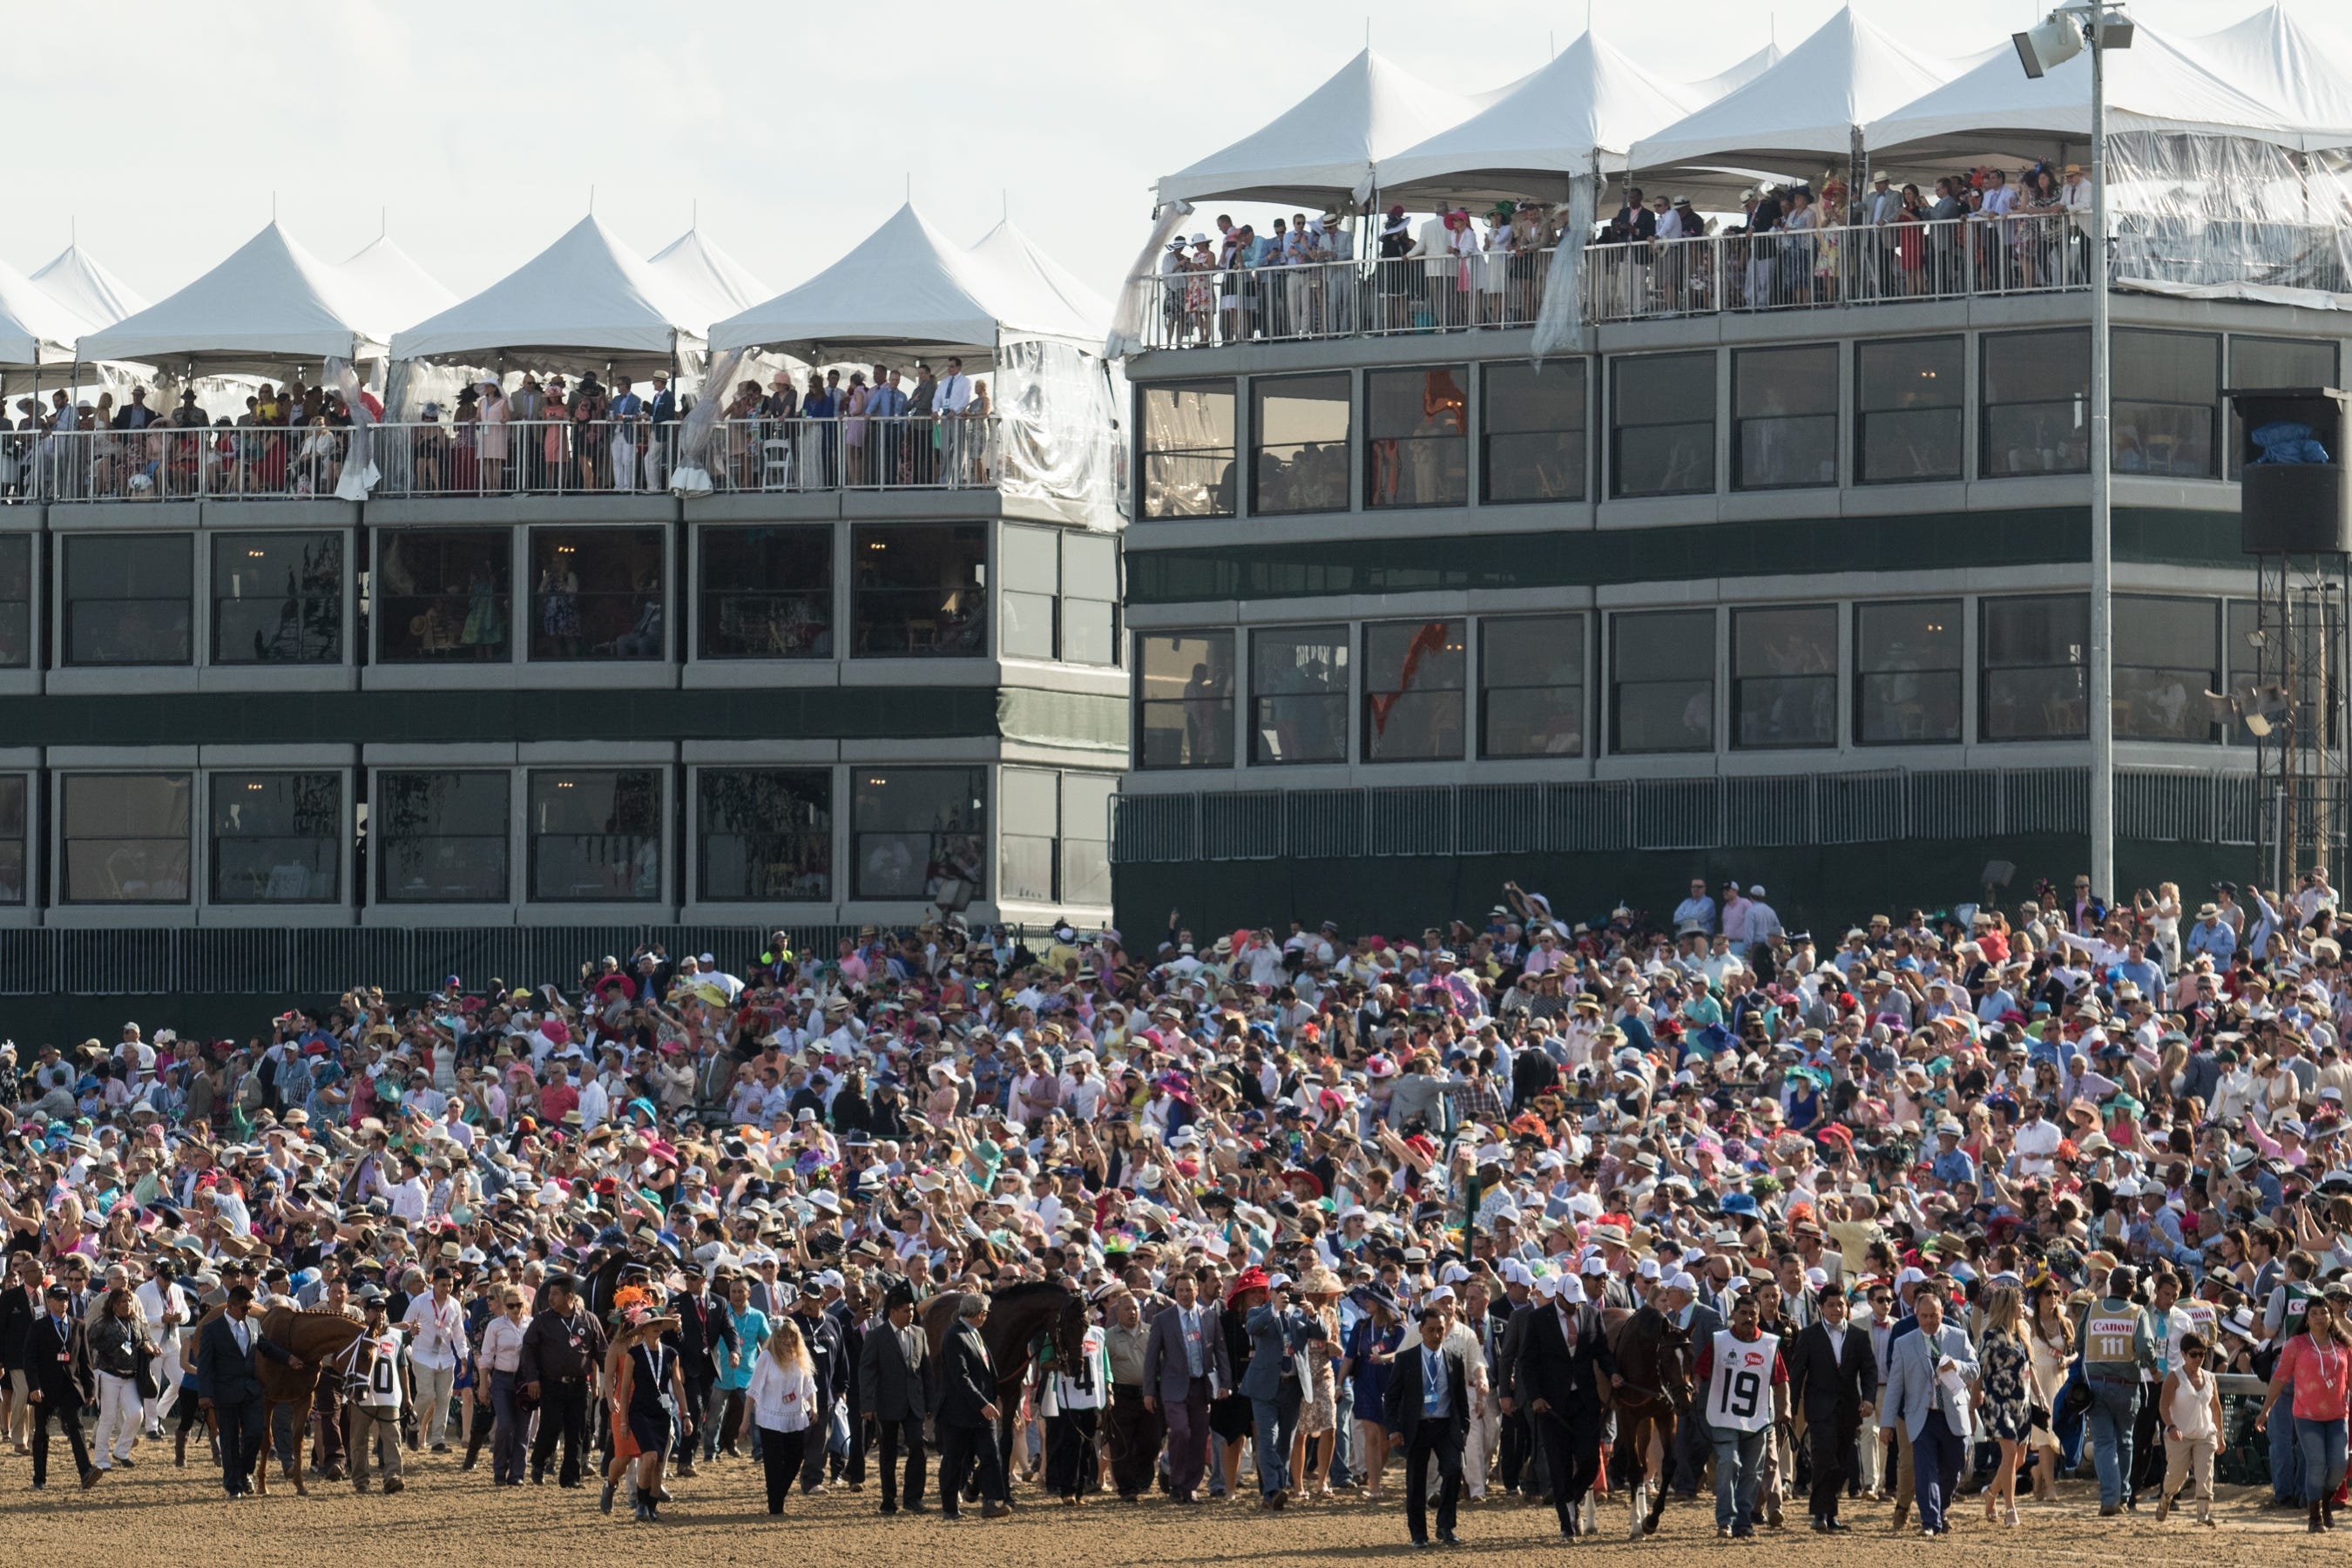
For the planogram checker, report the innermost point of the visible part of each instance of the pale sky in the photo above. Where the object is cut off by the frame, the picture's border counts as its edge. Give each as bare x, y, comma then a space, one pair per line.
161, 130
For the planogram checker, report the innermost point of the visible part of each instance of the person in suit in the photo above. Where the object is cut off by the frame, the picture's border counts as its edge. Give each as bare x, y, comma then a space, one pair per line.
56, 1359
1427, 1405
1833, 1380
1922, 1370
1184, 1364
229, 1387
1563, 1359
821, 1335
967, 1414
894, 1367
1678, 1298
705, 1332
1278, 1330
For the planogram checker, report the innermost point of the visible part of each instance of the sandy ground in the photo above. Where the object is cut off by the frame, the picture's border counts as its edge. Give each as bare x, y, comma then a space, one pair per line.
447, 1518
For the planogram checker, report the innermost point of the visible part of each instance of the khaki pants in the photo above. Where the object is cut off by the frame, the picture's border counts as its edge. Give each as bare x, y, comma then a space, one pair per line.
433, 1386
1899, 1465
375, 1440
1479, 1448
2188, 1468
20, 1408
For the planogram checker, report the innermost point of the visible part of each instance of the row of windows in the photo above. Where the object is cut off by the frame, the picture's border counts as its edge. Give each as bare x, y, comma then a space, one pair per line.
1909, 401
1407, 687
588, 835
448, 595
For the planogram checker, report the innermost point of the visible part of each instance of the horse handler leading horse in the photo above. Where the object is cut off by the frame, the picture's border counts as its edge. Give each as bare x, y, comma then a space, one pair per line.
246, 1370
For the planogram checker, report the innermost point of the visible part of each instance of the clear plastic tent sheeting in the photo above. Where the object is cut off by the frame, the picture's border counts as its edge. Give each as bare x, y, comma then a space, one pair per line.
1055, 408
2211, 212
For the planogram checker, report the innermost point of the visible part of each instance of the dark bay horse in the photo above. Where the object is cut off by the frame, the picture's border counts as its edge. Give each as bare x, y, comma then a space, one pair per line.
1655, 1362
322, 1339
1018, 1317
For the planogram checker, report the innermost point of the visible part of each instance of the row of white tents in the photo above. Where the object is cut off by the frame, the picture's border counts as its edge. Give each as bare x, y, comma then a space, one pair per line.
1847, 91
587, 303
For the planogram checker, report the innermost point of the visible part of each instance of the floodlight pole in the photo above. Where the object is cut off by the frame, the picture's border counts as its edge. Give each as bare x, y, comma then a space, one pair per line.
2102, 555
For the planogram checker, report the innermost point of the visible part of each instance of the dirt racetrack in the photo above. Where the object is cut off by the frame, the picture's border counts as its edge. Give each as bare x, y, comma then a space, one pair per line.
449, 1520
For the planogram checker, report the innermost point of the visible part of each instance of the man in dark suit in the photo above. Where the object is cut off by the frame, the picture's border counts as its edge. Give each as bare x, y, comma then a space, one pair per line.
706, 1338
894, 1366
823, 1337
1427, 1403
1693, 1446
1512, 1310
229, 1385
56, 1359
1564, 1358
966, 1415
1834, 1379
1183, 1357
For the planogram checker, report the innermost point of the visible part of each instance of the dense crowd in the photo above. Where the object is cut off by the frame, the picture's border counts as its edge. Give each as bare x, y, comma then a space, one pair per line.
1541, 1203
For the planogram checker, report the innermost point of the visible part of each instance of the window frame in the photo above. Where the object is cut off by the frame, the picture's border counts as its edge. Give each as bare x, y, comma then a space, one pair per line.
1007, 835
217, 581
68, 604
1401, 447
1338, 638
379, 843
66, 840
658, 834
1617, 426
705, 834
864, 535
1075, 542
2208, 680
978, 781
1258, 387
1987, 343
1365, 696
1739, 421
556, 533
1958, 409
337, 838
1146, 452
1047, 601
1489, 401
2213, 422
1618, 685
21, 840
1487, 687
1987, 606
710, 601
1959, 672
2231, 468
383, 538
1146, 705
1828, 611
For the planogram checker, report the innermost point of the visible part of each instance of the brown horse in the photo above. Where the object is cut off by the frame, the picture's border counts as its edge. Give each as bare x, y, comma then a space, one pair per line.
1018, 1317
1654, 1361
322, 1339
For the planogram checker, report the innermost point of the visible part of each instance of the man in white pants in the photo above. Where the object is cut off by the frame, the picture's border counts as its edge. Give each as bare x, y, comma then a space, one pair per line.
436, 1327
1465, 1340
166, 1307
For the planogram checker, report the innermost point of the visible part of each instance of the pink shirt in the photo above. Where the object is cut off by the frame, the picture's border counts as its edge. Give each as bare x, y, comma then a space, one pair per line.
2320, 1375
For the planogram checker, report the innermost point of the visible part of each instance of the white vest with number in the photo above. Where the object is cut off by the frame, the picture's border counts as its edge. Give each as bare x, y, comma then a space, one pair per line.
1739, 1395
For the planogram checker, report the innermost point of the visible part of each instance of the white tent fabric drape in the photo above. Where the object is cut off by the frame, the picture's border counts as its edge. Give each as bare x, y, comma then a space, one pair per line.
690, 473
1135, 300
359, 476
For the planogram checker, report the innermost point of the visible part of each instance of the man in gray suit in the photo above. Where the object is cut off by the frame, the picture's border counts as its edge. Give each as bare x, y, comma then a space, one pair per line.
1928, 1375
1278, 1331
1184, 1364
893, 1368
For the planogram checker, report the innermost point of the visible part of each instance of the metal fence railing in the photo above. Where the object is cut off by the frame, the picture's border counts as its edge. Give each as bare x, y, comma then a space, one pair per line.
2162, 806
1212, 306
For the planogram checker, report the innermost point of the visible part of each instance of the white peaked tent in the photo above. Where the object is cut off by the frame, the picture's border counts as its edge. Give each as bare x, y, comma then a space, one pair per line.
1325, 147
1996, 111
35, 329
269, 303
1709, 88
2275, 61
701, 270
1015, 257
1803, 111
905, 287
74, 279
584, 302
1591, 101
398, 292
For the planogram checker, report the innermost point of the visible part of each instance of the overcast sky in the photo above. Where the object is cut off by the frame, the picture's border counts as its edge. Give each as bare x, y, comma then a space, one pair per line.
163, 130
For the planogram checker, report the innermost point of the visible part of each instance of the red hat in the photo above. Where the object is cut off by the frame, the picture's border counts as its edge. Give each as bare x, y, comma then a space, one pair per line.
1250, 1279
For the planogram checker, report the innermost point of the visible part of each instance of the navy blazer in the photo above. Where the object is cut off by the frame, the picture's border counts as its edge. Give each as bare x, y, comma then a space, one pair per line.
1401, 1402
223, 1375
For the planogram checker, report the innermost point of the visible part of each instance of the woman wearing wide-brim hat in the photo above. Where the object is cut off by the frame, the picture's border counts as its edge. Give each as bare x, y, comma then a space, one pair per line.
1319, 1409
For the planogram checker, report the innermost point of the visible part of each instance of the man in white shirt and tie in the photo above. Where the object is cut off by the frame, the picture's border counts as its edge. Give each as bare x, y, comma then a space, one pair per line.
437, 1325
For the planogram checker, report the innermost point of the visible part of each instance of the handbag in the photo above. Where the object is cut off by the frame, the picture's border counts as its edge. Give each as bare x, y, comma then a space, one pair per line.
144, 1376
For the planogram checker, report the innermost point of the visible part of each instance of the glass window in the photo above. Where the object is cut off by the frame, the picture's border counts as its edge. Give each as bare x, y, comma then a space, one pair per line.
2168, 403
767, 593
1419, 450
277, 838
445, 595
1029, 813
1089, 598
2033, 657
1029, 583
766, 834
1531, 686
2167, 659
1086, 838
2276, 361
2037, 391
15, 603
1784, 416
1784, 676
124, 838
439, 837
1906, 672
278, 598
1661, 681
1298, 695
1414, 676
920, 832
596, 592
596, 836
1662, 424
1184, 699
130, 598
1533, 420
1909, 399
1187, 449
919, 591
12, 794
1299, 425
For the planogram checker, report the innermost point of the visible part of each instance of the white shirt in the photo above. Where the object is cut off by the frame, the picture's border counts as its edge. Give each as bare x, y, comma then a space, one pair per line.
439, 1329
954, 395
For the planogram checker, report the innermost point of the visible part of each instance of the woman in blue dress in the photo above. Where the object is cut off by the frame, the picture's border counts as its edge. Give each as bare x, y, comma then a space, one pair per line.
1371, 1345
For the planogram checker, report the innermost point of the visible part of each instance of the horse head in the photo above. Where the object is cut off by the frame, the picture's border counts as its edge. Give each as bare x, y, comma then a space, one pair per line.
1675, 1364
